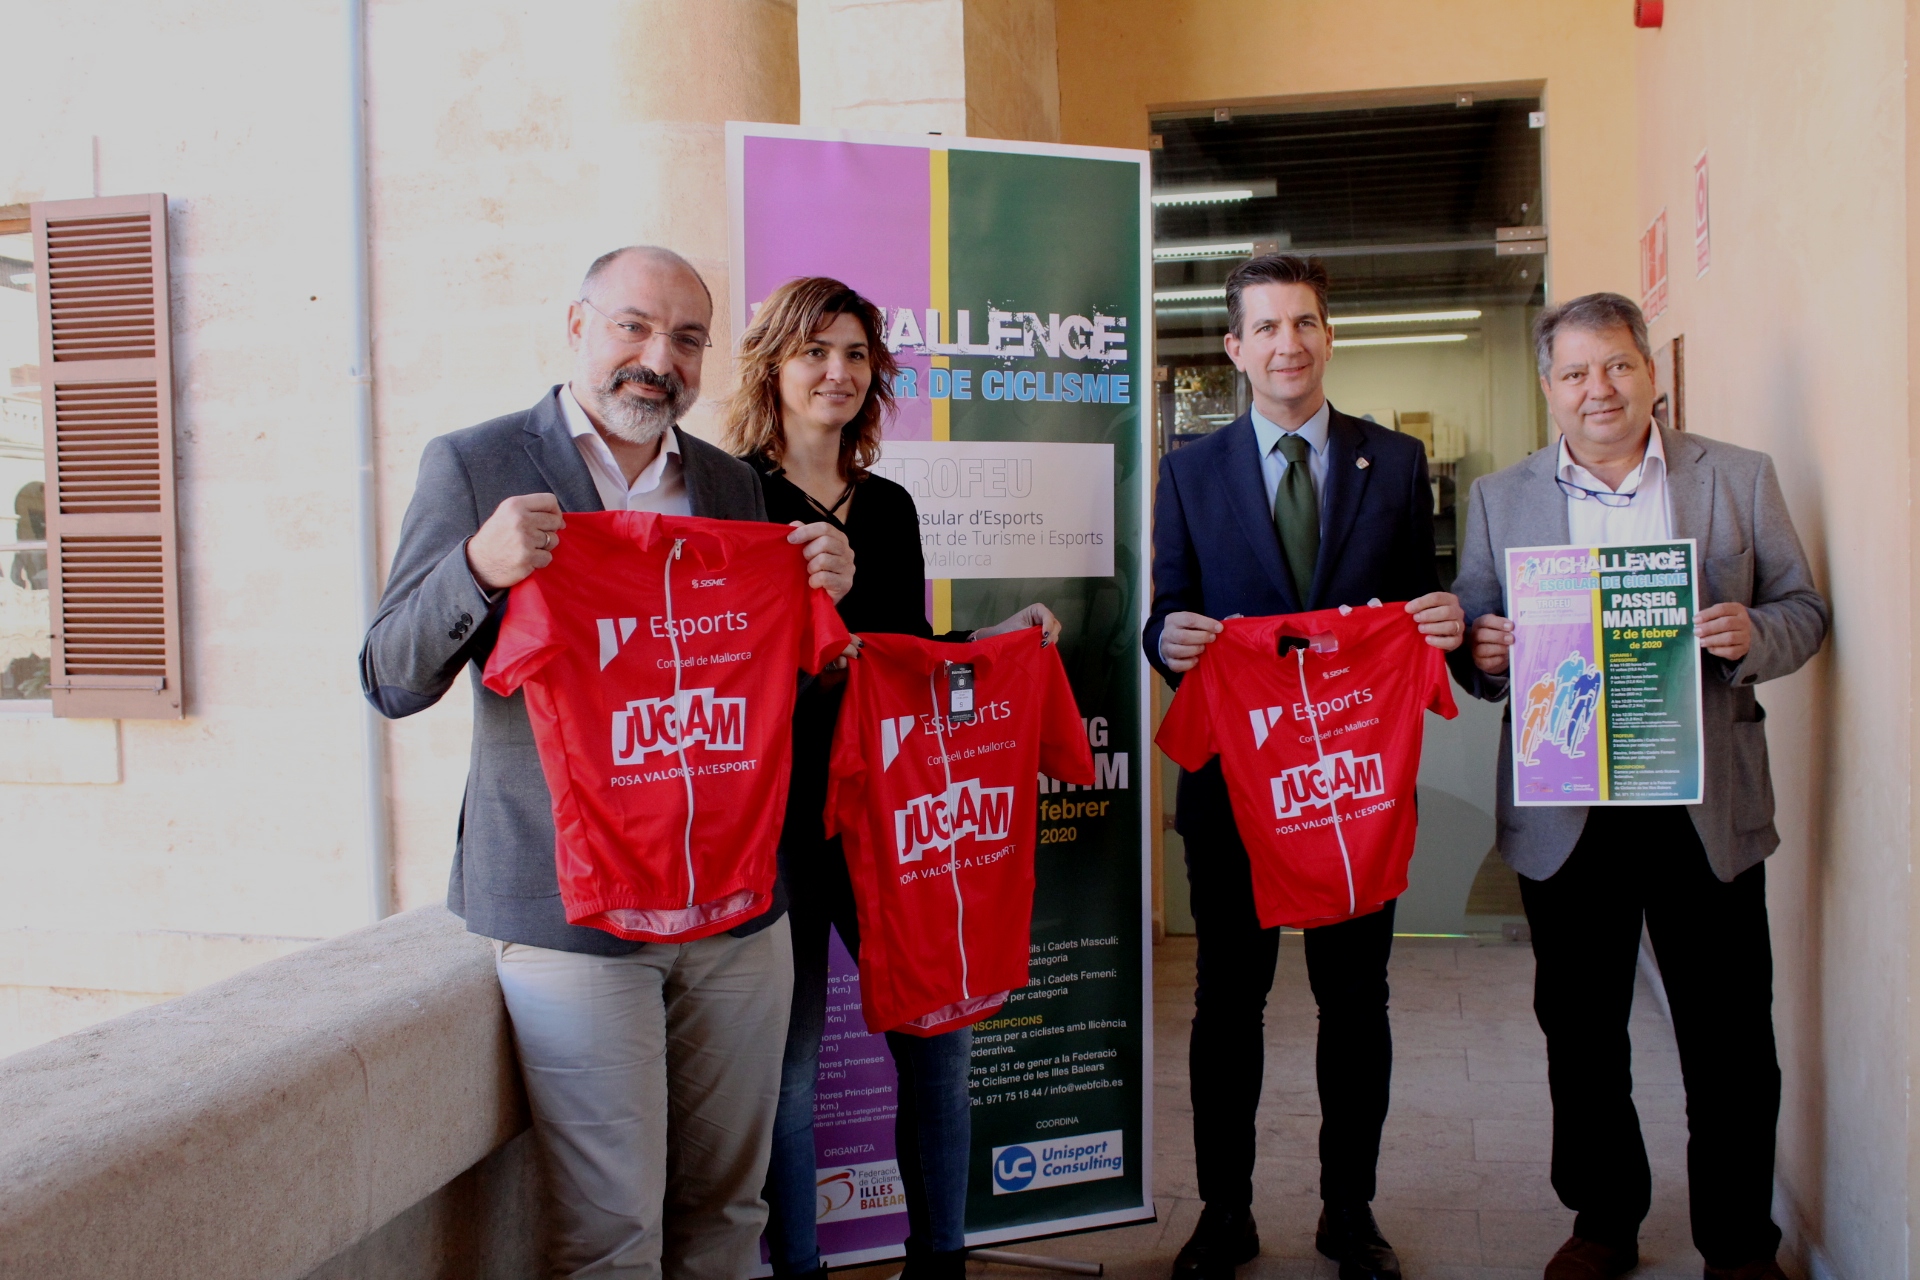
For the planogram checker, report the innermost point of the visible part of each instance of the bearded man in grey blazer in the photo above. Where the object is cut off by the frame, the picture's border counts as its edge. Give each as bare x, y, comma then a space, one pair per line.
1693, 873
652, 1068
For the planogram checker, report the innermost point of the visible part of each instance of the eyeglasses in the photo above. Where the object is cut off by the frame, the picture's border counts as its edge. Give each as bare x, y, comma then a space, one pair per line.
638, 333
1605, 497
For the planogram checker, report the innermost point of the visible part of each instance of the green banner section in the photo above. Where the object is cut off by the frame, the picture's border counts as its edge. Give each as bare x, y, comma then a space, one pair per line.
1060, 1078
1651, 671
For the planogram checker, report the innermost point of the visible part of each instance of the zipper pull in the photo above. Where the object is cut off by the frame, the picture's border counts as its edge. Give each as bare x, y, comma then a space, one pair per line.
677, 544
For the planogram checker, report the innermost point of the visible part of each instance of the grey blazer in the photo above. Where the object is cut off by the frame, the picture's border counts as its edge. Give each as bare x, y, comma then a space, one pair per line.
434, 620
1728, 500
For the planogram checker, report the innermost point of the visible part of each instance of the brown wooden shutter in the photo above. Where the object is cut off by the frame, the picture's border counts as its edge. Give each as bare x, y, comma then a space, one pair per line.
106, 395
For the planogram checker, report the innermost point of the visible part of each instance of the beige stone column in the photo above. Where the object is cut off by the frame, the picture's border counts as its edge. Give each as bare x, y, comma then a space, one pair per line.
686, 67
985, 68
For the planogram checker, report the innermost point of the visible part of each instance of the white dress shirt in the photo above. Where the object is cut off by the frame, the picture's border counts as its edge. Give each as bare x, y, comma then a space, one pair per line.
661, 487
1273, 463
1648, 518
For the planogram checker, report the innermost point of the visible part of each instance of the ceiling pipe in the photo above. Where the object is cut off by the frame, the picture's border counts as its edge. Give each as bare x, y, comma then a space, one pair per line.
377, 817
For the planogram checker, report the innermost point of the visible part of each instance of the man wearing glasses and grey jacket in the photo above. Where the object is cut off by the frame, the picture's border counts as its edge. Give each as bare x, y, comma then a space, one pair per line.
622, 1044
1693, 873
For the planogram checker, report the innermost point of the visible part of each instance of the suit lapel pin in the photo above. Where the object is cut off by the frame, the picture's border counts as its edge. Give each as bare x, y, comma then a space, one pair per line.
1362, 463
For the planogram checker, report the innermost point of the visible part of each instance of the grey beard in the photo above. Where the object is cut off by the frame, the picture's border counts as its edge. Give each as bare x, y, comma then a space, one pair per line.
641, 421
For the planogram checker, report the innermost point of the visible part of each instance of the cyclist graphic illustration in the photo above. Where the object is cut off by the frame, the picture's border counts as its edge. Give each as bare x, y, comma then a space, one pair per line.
1560, 709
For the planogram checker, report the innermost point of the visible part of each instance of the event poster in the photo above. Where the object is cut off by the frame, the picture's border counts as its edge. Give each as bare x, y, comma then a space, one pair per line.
1017, 299
1605, 693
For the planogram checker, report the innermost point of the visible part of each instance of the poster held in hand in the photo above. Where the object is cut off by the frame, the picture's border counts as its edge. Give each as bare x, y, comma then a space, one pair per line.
1605, 674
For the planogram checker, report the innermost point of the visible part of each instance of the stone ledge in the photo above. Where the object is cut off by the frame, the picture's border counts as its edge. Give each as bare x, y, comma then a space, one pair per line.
258, 1127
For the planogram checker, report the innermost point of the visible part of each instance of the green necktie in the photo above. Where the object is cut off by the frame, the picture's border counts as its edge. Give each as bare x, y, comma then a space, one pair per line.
1296, 516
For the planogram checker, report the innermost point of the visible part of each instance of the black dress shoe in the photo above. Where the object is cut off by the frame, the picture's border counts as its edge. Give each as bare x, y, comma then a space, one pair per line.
949, 1265
1224, 1239
1349, 1235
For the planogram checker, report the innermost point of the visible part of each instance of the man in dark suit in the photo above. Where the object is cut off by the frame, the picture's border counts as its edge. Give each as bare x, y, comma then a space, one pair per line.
614, 1037
1294, 506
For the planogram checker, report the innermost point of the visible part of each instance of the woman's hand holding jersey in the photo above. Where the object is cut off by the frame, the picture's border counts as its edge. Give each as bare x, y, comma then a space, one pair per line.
1034, 615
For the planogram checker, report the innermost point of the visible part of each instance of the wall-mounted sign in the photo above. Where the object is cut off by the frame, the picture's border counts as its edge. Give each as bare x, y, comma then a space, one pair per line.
1702, 246
1653, 269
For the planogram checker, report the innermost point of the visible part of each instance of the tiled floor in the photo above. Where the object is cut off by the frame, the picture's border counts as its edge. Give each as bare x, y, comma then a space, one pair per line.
1463, 1171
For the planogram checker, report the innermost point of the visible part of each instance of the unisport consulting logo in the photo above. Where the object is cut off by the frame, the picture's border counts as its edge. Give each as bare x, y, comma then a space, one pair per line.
660, 725
1059, 1161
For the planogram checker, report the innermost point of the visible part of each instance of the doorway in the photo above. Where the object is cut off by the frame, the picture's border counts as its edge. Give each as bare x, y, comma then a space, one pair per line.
1427, 214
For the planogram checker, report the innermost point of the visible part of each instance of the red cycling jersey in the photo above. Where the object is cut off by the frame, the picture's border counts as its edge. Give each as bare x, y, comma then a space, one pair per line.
1321, 750
658, 654
938, 819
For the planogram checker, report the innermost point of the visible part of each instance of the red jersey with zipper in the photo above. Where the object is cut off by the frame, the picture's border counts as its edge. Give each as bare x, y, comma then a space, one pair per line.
1321, 750
938, 819
658, 655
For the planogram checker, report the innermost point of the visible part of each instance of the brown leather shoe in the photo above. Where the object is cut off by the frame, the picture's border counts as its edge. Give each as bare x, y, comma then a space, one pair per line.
1589, 1260
1764, 1269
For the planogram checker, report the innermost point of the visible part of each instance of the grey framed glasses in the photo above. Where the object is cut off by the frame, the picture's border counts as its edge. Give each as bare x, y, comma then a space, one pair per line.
1605, 497
638, 333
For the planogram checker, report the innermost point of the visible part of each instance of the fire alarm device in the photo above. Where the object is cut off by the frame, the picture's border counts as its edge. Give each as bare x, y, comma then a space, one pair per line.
1649, 13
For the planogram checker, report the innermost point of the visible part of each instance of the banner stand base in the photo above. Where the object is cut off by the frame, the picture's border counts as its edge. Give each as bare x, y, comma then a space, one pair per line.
1069, 1266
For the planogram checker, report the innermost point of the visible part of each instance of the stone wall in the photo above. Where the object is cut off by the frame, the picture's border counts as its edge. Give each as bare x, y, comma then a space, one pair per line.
359, 1098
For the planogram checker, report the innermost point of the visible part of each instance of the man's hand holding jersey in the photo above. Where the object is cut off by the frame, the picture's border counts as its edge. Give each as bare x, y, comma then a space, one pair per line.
829, 556
1442, 621
830, 567
1186, 635
522, 532
517, 538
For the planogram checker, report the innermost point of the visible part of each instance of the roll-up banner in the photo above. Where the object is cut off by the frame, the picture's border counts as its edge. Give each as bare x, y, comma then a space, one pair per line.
1015, 284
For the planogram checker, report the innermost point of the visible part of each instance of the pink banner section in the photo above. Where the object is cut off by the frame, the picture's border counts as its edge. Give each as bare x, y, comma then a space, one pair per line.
800, 221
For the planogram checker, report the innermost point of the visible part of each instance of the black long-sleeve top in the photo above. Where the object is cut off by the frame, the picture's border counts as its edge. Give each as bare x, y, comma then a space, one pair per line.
889, 596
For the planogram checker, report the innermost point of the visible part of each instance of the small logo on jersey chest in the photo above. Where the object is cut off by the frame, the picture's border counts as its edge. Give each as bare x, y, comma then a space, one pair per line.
612, 642
893, 731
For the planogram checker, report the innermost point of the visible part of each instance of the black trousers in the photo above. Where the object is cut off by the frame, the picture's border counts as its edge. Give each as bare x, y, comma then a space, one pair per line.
1711, 941
1347, 968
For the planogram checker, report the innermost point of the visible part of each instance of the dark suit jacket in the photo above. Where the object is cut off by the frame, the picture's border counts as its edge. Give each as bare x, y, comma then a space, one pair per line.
434, 620
1215, 551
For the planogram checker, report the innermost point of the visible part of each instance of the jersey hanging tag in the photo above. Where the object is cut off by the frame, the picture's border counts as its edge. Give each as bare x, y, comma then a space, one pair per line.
959, 693
1325, 642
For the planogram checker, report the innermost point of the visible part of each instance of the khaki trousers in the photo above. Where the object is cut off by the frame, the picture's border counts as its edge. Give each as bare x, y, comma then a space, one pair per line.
653, 1079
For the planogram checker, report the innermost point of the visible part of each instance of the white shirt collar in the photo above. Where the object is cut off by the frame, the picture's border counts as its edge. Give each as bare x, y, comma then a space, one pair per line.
1314, 430
580, 426
1655, 458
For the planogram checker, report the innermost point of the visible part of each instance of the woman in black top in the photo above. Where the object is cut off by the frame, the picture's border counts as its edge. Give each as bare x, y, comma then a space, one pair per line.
815, 386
